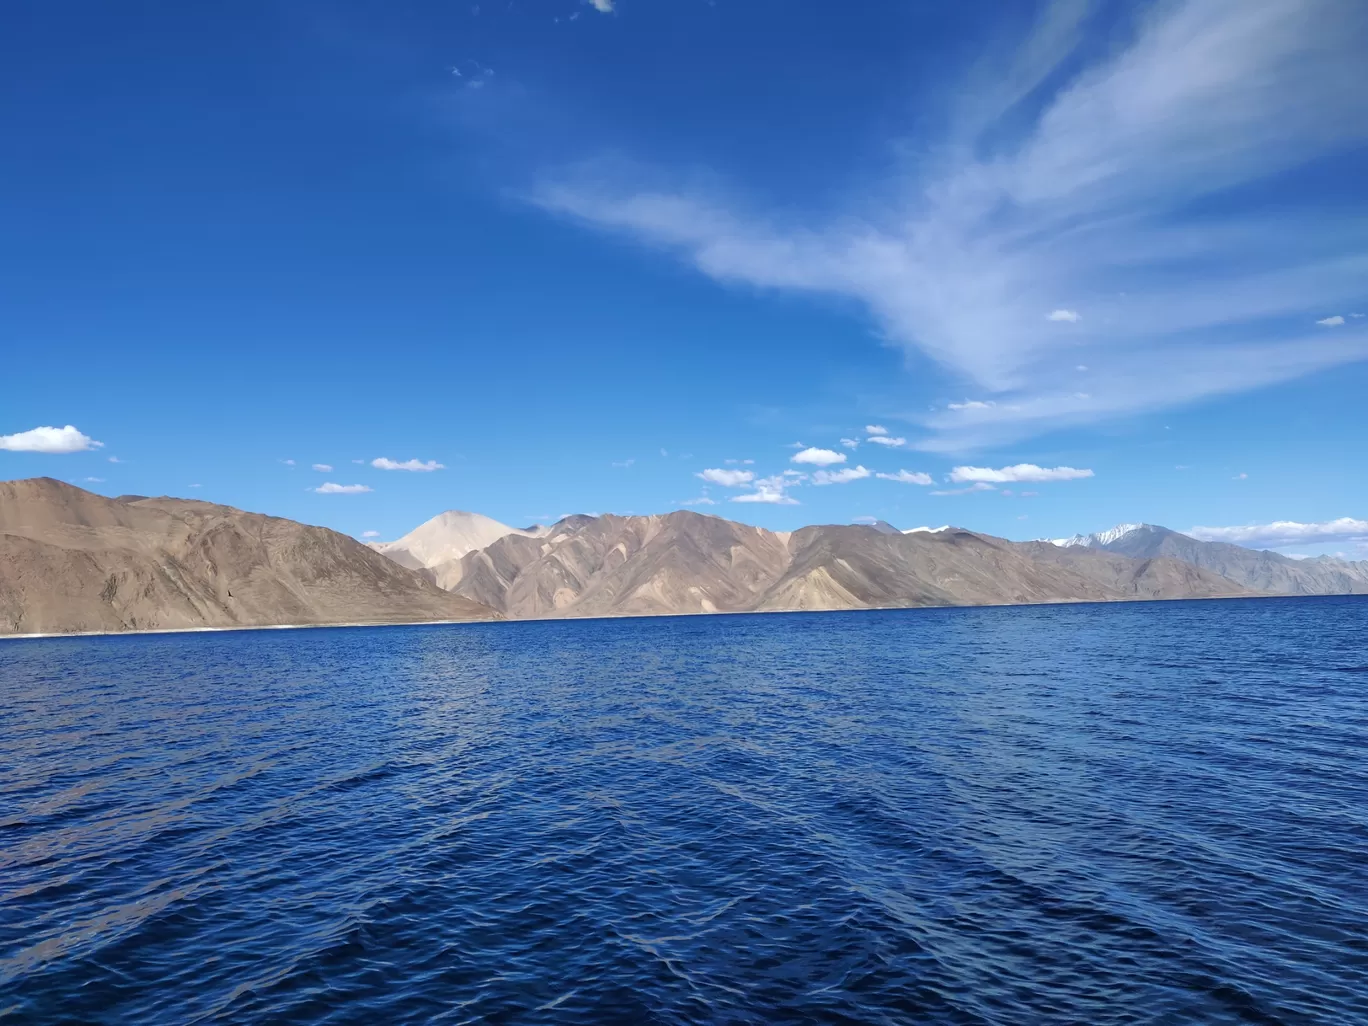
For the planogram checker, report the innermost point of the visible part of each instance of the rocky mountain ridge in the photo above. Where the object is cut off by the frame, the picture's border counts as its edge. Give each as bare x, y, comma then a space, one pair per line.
74, 561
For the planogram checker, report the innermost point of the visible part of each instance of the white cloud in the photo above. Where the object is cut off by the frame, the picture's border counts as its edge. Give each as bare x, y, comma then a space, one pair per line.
362, 462
908, 477
623, 463
1069, 170
892, 443
1240, 477
288, 463
850, 443
602, 6
49, 440
843, 476
727, 478
702, 500
977, 486
1286, 532
323, 468
973, 404
1071, 316
818, 457
340, 489
1020, 472
1331, 322
115, 459
875, 429
370, 534
95, 480
769, 490
418, 466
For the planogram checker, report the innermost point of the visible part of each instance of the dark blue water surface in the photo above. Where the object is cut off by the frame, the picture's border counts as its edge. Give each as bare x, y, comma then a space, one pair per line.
1147, 813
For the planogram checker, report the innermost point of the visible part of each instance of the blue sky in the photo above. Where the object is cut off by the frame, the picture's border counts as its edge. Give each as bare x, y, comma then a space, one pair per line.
1075, 263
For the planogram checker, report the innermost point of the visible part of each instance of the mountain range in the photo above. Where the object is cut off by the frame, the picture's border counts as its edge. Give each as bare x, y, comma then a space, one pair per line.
71, 560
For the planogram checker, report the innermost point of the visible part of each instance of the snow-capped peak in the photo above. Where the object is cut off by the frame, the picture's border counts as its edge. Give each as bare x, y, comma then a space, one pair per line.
927, 530
1098, 539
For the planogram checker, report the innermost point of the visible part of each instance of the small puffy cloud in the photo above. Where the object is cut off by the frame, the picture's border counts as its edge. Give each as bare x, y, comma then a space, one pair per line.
95, 480
602, 6
1332, 322
362, 462
892, 443
977, 486
115, 459
323, 468
1286, 532
702, 500
197, 485
329, 488
1240, 477
908, 477
623, 463
769, 490
818, 457
875, 429
1020, 472
417, 466
850, 443
288, 463
370, 534
973, 404
1066, 316
49, 440
727, 478
843, 476
1356, 315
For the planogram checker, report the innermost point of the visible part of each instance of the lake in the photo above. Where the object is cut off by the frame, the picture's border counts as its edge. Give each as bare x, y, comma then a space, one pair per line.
1139, 813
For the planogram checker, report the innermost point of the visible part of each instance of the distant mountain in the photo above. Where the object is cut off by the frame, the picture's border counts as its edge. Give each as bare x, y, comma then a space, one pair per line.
71, 560
690, 563
1262, 571
446, 537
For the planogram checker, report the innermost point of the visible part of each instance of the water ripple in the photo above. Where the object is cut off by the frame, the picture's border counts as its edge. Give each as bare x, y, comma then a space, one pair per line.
1149, 813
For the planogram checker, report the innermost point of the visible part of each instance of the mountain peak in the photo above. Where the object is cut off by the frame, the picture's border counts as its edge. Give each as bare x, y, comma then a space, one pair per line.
1101, 539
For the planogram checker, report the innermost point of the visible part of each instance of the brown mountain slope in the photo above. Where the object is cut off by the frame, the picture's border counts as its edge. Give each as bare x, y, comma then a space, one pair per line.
688, 563
71, 560
601, 566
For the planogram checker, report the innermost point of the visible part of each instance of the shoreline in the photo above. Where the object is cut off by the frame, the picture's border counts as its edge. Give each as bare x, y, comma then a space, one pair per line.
634, 616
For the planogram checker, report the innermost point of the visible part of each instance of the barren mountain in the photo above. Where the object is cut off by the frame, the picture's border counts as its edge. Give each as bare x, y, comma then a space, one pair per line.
689, 563
1262, 571
74, 561
446, 537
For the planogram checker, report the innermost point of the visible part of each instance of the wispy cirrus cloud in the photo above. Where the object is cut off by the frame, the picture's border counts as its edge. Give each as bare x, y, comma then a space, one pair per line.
843, 476
727, 478
1282, 533
1005, 261
51, 440
1018, 473
915, 477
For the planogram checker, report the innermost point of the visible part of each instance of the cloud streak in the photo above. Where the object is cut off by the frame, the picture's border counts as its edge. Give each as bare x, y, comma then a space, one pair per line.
727, 478
962, 256
1018, 473
330, 488
415, 466
1282, 533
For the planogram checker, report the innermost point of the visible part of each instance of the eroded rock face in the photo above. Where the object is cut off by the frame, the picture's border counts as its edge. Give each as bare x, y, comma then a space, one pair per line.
689, 563
71, 560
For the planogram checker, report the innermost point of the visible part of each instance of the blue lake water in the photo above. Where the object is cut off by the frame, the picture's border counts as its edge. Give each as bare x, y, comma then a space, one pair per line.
1144, 813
